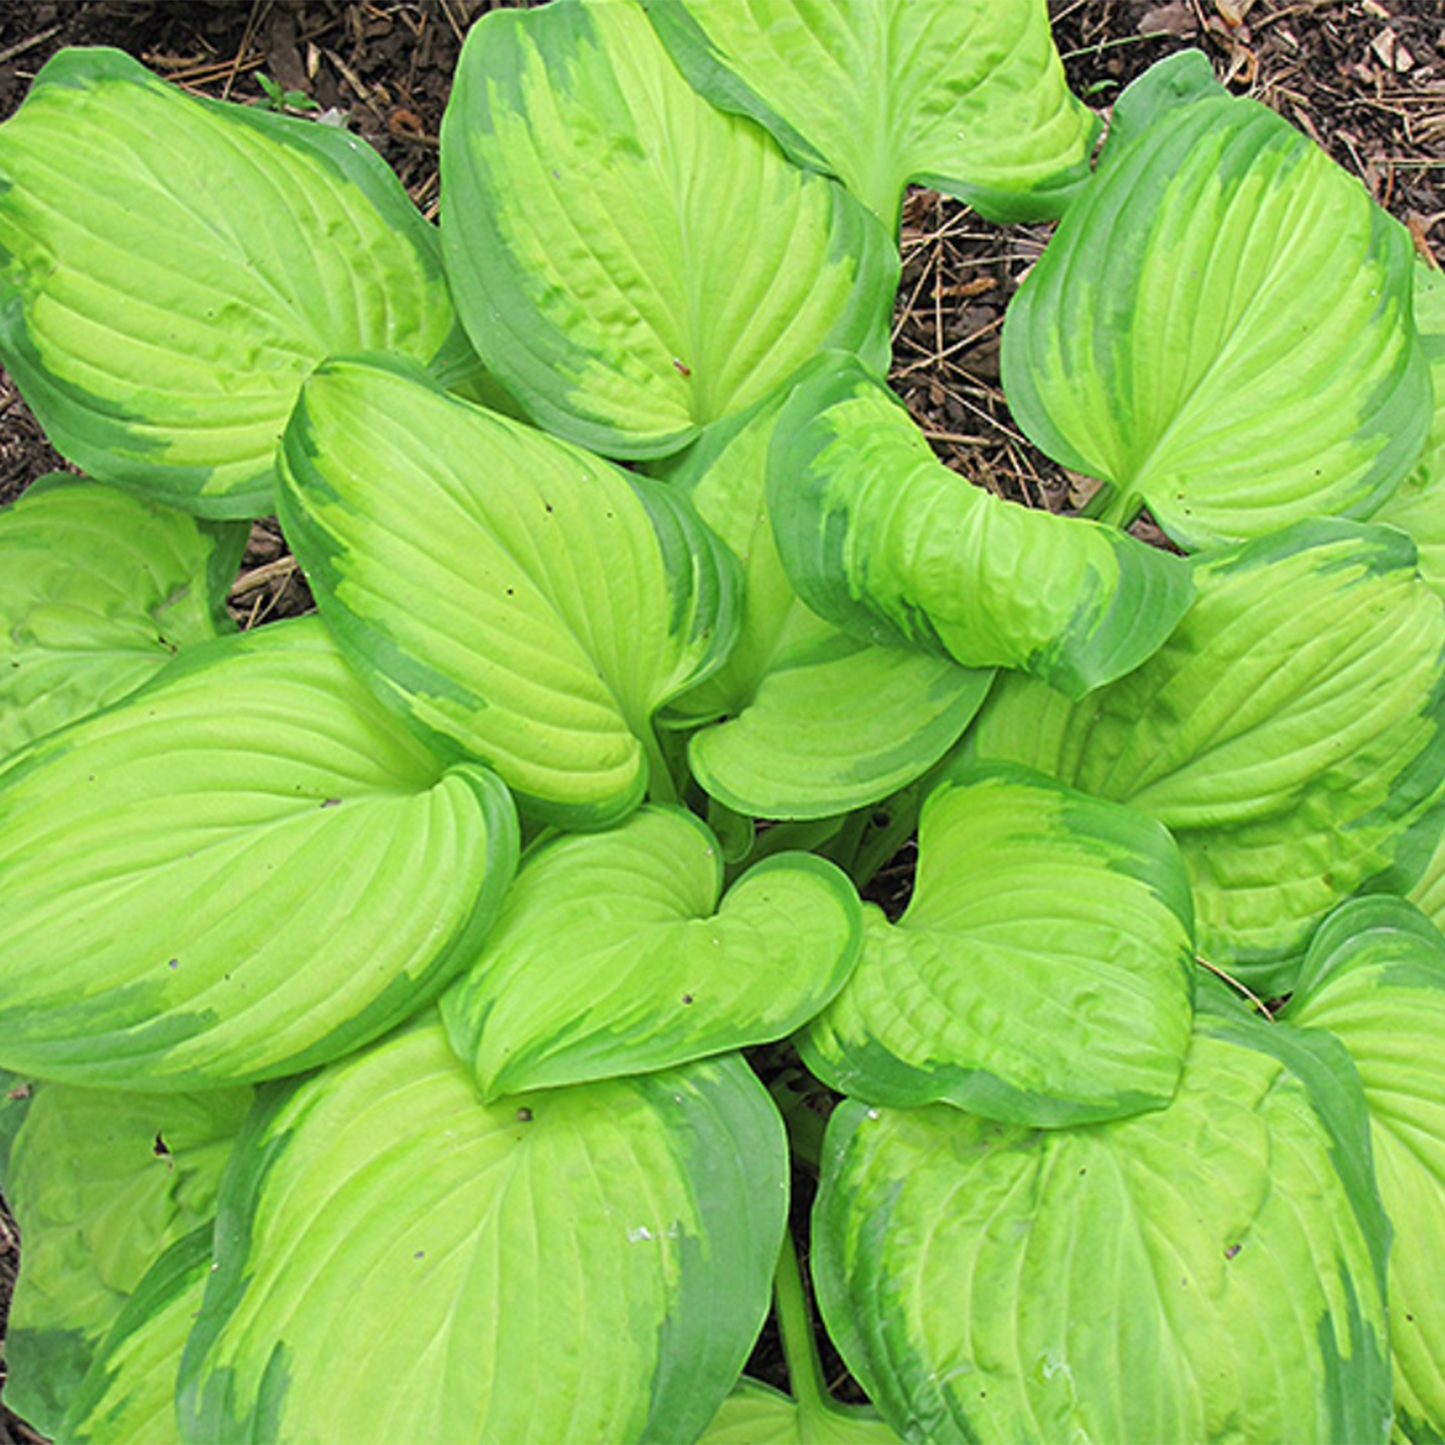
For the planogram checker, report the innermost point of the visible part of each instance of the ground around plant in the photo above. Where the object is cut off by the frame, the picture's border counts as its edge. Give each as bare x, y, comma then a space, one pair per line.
1364, 78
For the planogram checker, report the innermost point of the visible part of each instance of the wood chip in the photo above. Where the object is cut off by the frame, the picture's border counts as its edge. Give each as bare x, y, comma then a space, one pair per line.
1388, 46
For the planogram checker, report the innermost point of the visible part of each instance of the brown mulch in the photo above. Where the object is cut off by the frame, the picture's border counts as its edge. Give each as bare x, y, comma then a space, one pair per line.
1364, 78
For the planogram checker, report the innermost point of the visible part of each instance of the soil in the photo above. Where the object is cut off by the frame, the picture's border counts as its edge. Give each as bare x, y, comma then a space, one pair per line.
1364, 78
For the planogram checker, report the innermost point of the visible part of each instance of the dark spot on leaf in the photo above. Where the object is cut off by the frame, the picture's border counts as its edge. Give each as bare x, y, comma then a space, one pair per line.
1411, 1318
881, 819
174, 963
1082, 1172
524, 1116
20, 1091
683, 369
511, 591
160, 1148
420, 1254
331, 802
1231, 1251
687, 998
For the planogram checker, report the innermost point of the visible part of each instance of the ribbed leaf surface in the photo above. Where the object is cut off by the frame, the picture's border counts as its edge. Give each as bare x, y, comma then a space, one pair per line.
243, 870
1221, 326
1288, 735
968, 96
1209, 1272
172, 267
576, 1265
534, 611
128, 1396
614, 956
804, 720
97, 590
1375, 978
883, 540
1418, 507
1042, 973
102, 1182
632, 262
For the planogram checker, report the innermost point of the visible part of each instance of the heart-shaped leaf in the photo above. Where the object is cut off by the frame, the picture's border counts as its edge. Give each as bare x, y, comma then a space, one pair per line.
578, 1265
632, 262
967, 96
1375, 978
883, 540
1221, 325
1043, 971
98, 589
1418, 507
172, 267
803, 720
1288, 734
613, 956
128, 1395
202, 896
101, 1183
1210, 1271
565, 600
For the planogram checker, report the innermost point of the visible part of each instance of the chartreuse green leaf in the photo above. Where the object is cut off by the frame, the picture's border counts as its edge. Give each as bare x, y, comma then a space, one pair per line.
1212, 1271
580, 1264
757, 1414
1221, 327
1418, 507
614, 956
1375, 979
967, 96
803, 720
632, 262
882, 539
243, 870
172, 267
101, 1183
1042, 973
98, 589
128, 1395
1287, 734
565, 600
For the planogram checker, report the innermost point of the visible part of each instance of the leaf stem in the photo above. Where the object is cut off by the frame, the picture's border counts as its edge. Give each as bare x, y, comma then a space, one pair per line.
795, 1326
661, 785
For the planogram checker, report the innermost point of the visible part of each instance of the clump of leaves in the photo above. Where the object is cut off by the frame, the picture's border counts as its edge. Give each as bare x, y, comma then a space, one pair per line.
374, 986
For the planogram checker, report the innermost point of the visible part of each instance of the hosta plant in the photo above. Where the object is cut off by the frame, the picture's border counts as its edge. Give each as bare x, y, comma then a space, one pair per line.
419, 1020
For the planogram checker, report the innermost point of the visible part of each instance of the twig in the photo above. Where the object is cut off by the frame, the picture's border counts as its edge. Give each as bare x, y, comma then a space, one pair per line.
39, 38
1236, 985
258, 577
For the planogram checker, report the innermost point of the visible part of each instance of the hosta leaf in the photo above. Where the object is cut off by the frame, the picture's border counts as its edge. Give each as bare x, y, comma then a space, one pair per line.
804, 720
967, 96
1043, 971
98, 589
243, 870
632, 262
613, 956
1288, 735
757, 1414
1221, 325
564, 600
1418, 507
883, 540
172, 267
581, 1264
101, 1183
1211, 1271
128, 1396
1375, 978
